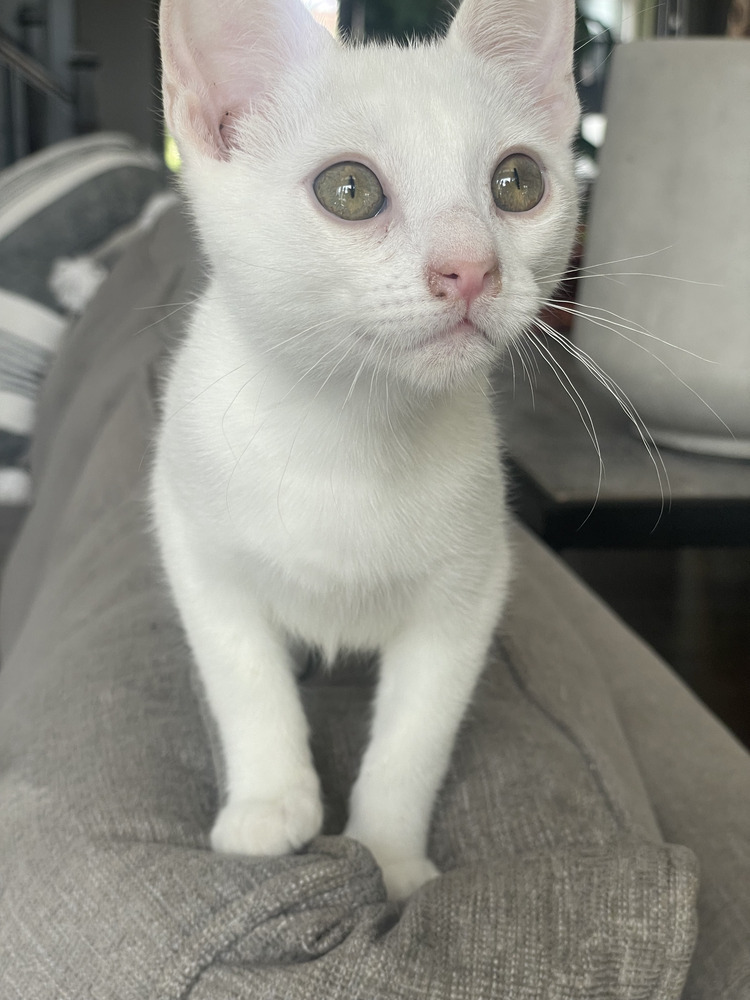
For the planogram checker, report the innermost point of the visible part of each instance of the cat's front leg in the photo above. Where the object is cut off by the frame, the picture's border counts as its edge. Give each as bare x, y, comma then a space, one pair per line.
273, 803
427, 678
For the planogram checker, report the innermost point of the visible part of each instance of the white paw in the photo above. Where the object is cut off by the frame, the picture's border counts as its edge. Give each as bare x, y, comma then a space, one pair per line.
268, 826
404, 877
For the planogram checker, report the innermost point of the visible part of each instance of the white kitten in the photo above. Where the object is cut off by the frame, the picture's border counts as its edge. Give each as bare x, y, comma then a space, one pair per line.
377, 221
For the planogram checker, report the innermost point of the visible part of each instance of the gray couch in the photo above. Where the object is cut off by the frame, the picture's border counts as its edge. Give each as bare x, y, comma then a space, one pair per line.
594, 821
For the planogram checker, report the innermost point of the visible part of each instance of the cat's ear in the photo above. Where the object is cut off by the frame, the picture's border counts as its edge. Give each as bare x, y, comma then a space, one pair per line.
222, 59
535, 38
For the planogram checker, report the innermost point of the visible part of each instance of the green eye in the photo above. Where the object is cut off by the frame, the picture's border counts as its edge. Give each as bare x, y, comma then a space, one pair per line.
517, 184
350, 191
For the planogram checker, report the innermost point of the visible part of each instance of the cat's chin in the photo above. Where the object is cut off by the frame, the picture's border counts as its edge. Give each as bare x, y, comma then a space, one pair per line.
459, 337
447, 359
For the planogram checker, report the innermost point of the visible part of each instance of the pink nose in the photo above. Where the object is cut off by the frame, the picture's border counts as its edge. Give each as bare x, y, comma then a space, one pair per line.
464, 279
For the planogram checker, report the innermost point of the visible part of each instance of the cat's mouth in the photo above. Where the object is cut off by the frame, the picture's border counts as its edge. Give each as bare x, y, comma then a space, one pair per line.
463, 329
455, 334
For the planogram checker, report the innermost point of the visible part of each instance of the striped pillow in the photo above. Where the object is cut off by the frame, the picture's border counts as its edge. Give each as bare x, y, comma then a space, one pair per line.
62, 202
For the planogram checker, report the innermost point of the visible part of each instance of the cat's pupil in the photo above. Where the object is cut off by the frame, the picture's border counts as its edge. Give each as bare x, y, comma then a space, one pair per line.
351, 188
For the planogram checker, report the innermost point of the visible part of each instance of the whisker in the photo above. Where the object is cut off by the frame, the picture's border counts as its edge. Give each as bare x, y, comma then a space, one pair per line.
234, 399
653, 274
163, 319
527, 355
578, 401
605, 325
628, 408
315, 364
607, 57
302, 333
166, 305
522, 351
576, 310
376, 372
206, 389
606, 263
511, 345
630, 17
284, 397
355, 337
314, 328
359, 371
397, 440
254, 265
242, 454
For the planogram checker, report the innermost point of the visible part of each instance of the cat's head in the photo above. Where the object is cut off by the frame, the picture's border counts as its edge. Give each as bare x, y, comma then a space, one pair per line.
377, 210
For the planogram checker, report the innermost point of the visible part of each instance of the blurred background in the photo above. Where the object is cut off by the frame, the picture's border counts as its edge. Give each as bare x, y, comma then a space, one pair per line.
71, 66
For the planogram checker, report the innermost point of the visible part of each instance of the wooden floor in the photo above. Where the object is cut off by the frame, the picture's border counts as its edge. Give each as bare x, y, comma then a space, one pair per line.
693, 607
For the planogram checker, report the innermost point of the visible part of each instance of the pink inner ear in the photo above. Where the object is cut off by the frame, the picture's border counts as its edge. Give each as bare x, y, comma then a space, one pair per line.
534, 36
227, 129
220, 59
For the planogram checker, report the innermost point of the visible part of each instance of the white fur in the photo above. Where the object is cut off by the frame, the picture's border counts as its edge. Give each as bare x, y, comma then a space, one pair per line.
327, 470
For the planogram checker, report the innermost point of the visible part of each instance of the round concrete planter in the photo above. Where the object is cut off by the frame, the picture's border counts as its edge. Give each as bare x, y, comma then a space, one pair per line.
671, 219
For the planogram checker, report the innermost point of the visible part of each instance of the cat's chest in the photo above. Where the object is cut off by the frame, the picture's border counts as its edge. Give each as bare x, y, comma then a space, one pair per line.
324, 498
336, 495
338, 534
332, 523
340, 558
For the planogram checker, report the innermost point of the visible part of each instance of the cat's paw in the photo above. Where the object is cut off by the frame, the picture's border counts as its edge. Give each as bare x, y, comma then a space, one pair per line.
268, 826
404, 877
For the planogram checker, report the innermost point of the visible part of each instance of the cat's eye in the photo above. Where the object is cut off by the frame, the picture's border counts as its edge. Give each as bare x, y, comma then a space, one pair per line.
349, 190
517, 184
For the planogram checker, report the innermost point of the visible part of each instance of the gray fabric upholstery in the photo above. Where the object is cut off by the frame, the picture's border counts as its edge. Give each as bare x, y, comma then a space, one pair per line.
696, 774
558, 881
